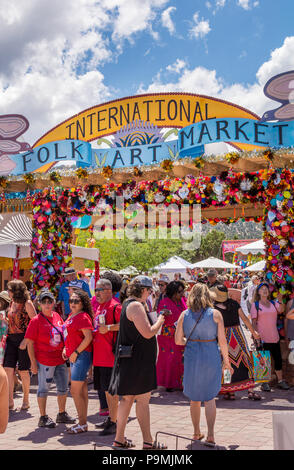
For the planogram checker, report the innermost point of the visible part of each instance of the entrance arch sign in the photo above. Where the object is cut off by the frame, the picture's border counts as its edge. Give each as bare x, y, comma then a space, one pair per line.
164, 110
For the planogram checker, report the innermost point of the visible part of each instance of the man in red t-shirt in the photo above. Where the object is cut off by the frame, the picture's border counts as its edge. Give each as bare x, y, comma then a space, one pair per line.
106, 326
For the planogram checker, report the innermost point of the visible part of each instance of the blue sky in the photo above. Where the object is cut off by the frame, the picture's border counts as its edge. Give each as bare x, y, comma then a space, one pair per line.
58, 58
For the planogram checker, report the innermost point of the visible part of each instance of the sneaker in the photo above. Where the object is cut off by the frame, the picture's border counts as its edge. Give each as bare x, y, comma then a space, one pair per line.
109, 428
103, 424
283, 385
65, 418
265, 387
46, 422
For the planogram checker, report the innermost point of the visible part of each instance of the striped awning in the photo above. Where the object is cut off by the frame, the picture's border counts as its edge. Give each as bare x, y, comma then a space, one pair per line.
16, 229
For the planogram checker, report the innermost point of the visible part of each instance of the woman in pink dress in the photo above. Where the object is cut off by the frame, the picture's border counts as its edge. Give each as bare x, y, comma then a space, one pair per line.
170, 367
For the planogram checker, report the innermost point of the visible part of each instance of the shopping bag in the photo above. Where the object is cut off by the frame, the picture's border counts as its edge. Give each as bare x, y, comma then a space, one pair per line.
261, 366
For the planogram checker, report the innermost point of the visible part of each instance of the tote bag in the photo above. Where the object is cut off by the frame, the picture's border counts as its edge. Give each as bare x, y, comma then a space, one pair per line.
261, 366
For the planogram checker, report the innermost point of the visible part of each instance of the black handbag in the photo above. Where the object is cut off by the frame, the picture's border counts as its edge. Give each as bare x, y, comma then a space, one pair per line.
125, 352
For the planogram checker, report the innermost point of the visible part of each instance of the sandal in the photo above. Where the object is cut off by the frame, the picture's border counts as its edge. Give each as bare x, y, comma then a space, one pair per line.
25, 407
209, 443
254, 396
229, 396
199, 438
77, 429
127, 444
155, 446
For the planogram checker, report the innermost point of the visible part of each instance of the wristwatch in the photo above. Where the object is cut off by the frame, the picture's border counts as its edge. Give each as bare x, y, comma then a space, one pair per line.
77, 352
108, 327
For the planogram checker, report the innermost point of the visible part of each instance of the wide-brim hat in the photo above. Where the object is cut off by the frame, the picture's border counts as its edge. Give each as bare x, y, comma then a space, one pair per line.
5, 296
219, 295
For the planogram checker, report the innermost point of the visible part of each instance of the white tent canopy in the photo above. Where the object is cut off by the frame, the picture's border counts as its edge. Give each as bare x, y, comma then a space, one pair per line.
254, 248
255, 267
10, 250
173, 265
215, 263
130, 270
16, 231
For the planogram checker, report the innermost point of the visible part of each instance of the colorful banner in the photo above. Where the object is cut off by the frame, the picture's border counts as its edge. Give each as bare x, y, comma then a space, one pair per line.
52, 152
249, 131
122, 157
229, 246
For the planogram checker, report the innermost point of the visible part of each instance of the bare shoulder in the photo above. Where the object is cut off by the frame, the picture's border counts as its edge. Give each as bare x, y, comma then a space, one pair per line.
217, 316
134, 308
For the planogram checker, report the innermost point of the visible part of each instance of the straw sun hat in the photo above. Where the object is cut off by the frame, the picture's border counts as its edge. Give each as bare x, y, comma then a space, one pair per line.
220, 293
5, 296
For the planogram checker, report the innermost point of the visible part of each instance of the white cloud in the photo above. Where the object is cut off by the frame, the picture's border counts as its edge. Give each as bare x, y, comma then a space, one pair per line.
247, 4
166, 20
177, 66
200, 28
52, 53
251, 96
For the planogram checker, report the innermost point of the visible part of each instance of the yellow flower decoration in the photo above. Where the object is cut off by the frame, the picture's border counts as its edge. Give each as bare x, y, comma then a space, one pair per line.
199, 162
82, 173
107, 172
268, 155
137, 171
3, 182
167, 165
29, 178
55, 177
232, 157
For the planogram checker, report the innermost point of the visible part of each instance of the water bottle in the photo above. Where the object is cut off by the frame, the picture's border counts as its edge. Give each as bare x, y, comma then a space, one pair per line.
227, 376
101, 320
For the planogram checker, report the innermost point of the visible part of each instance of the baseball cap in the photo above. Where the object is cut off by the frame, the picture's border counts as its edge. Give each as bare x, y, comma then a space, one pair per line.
212, 272
46, 294
76, 284
68, 271
144, 281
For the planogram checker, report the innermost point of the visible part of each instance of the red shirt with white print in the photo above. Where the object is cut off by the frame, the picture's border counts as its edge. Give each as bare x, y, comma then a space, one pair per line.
72, 331
48, 343
103, 343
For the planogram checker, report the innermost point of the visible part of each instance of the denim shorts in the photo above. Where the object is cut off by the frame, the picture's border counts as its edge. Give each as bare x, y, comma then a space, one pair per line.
79, 369
48, 374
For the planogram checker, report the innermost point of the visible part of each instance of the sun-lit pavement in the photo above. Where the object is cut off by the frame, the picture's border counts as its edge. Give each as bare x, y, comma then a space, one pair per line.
240, 425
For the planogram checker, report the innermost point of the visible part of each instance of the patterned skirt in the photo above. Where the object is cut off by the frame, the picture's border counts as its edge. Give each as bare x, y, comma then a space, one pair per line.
241, 361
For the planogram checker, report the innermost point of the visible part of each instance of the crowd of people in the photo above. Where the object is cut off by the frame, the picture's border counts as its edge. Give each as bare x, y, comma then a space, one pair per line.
133, 336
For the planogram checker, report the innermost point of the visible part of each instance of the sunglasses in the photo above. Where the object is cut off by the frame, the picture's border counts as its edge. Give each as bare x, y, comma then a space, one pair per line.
100, 289
181, 291
161, 285
47, 301
74, 301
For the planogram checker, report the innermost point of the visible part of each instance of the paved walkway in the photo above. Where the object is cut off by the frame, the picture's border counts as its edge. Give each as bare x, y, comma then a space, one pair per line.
242, 424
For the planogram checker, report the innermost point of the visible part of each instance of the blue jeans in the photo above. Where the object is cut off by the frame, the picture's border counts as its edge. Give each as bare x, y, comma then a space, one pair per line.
46, 375
79, 369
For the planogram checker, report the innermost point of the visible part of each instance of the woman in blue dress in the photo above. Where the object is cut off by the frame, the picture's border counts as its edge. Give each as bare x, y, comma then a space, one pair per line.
201, 330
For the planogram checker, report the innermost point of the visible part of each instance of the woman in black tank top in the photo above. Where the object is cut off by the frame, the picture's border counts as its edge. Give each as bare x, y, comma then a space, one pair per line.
134, 378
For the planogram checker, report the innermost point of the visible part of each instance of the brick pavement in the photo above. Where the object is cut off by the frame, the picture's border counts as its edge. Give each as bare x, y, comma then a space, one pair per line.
240, 425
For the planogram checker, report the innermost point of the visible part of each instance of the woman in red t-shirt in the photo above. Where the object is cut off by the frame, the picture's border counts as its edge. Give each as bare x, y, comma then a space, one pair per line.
45, 345
77, 332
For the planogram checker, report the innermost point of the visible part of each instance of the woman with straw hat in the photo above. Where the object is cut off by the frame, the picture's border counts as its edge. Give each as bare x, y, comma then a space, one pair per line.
240, 358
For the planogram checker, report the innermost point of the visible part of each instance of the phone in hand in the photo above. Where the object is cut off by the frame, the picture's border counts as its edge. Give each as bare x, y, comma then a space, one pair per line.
165, 312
